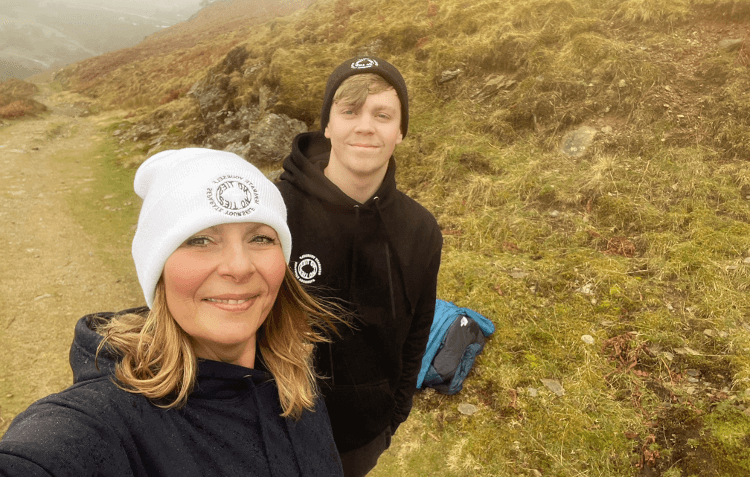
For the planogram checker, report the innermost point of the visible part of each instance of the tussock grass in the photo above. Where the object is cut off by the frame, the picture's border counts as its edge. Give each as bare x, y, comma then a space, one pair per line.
16, 99
640, 243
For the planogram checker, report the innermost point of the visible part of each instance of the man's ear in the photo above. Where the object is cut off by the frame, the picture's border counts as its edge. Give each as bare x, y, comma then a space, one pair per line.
400, 137
326, 133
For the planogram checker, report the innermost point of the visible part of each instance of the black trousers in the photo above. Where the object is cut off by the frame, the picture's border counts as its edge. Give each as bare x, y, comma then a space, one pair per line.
360, 461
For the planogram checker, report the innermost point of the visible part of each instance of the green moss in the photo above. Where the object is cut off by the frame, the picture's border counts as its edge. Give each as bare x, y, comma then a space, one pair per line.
107, 208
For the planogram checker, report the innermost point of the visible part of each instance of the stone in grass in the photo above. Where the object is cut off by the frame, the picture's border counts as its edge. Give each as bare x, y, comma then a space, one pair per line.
467, 409
554, 386
588, 339
576, 142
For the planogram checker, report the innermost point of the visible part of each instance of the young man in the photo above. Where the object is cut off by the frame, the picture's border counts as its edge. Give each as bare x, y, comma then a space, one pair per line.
359, 241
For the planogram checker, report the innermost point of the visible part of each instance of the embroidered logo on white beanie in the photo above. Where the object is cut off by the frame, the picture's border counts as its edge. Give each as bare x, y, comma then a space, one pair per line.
187, 190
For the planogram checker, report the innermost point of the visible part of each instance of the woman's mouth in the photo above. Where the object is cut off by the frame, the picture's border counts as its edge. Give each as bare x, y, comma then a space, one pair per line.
229, 302
232, 304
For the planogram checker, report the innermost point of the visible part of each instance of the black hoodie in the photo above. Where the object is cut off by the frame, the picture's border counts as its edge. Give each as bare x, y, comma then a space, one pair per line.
231, 425
381, 260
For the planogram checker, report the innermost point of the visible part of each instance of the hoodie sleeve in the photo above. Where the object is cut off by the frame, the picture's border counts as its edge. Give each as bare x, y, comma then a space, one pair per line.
55, 438
416, 341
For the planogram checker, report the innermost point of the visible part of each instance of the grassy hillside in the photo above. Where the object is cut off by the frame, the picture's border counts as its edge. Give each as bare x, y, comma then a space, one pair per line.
641, 243
164, 66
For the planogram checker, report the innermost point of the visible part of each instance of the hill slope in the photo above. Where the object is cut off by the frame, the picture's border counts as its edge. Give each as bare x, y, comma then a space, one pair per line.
639, 242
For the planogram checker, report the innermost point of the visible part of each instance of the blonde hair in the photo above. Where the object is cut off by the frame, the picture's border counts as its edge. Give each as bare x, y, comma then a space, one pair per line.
354, 90
159, 362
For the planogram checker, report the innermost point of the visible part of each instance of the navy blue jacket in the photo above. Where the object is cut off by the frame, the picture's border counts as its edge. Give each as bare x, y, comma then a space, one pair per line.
230, 426
381, 260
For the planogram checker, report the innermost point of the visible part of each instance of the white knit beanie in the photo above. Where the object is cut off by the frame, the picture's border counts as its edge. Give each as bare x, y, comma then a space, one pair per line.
185, 191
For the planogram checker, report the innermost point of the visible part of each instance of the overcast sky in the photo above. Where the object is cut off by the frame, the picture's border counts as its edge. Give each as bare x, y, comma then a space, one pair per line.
147, 5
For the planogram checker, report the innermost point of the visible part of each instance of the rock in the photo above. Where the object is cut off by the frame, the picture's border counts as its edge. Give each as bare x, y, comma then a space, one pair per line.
269, 140
554, 386
532, 392
273, 176
449, 75
215, 90
588, 339
575, 143
493, 85
746, 261
467, 409
731, 44
516, 273
587, 289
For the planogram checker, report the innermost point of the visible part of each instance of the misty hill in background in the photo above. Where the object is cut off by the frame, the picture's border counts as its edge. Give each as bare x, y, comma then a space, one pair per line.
37, 35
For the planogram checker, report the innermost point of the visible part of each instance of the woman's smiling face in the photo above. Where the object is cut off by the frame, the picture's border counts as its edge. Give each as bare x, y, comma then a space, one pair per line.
221, 283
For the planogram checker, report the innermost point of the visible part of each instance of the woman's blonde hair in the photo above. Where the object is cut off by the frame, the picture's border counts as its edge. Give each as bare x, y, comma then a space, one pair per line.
158, 360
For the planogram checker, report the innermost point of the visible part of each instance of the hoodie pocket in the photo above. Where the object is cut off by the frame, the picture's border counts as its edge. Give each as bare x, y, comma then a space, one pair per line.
360, 412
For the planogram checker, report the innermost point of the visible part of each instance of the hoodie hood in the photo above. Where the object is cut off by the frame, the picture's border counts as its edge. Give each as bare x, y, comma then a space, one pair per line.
85, 364
304, 169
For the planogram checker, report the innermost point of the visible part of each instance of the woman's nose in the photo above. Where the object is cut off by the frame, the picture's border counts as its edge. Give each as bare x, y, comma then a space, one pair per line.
237, 262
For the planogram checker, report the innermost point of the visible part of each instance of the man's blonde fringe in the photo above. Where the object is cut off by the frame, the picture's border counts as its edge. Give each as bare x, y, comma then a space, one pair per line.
354, 90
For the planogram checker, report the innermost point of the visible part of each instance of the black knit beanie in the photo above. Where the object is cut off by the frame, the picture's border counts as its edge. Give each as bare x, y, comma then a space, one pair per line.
357, 66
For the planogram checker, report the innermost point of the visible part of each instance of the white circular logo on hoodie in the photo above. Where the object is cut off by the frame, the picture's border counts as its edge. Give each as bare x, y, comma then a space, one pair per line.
307, 268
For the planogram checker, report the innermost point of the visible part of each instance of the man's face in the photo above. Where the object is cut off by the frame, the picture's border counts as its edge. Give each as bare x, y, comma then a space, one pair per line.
362, 141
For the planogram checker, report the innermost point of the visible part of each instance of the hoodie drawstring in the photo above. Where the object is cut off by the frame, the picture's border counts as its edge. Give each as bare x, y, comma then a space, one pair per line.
386, 246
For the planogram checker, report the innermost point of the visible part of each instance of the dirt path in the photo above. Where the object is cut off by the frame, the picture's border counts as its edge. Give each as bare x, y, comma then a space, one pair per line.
51, 272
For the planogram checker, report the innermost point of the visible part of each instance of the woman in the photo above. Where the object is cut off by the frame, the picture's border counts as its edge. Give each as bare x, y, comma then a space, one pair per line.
214, 379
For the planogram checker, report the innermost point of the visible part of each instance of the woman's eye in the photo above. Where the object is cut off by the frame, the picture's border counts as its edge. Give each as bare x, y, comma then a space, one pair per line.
263, 239
197, 241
